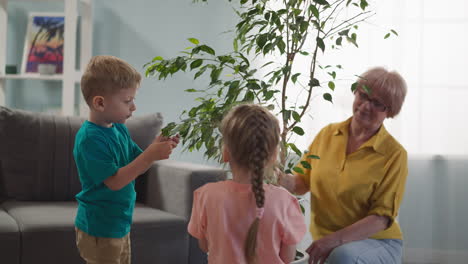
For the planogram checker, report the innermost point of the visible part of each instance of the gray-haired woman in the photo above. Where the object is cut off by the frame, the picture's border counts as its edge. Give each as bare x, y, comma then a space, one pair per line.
357, 185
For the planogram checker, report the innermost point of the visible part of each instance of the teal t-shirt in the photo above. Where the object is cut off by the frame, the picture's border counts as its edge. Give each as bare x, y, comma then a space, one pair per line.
99, 153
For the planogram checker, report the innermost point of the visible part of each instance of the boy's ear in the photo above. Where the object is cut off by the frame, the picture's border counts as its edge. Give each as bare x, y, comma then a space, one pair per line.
98, 102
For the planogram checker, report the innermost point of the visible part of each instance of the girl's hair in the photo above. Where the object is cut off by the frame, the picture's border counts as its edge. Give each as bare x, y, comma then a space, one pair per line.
251, 134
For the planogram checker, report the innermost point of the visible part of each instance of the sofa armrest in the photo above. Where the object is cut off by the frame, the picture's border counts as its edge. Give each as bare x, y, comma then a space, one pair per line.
169, 185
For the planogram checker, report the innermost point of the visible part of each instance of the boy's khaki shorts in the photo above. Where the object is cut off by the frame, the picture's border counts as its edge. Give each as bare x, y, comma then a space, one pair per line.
102, 250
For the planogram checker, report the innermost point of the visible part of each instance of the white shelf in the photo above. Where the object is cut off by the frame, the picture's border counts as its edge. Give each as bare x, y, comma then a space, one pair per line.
32, 77
36, 76
70, 75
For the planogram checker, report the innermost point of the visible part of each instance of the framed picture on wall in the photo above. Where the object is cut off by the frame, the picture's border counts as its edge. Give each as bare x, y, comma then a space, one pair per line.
43, 47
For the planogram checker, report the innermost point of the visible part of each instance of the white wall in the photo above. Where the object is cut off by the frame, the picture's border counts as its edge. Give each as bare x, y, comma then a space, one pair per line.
135, 31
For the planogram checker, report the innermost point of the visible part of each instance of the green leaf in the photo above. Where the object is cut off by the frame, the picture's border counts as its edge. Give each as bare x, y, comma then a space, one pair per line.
207, 49
327, 97
344, 32
354, 87
267, 48
247, 62
167, 131
296, 116
338, 41
191, 90
363, 4
298, 170
303, 26
313, 157
235, 45
234, 84
295, 149
294, 77
196, 64
268, 95
321, 2
298, 130
194, 41
352, 40
331, 85
215, 74
387, 35
321, 44
305, 53
306, 164
249, 96
253, 86
281, 45
157, 58
394, 32
314, 11
314, 82
200, 72
261, 40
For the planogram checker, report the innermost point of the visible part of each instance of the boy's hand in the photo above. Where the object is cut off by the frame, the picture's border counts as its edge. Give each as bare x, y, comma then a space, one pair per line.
175, 139
161, 148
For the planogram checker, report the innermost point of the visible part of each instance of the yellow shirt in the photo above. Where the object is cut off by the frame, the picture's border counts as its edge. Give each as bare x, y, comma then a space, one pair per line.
346, 188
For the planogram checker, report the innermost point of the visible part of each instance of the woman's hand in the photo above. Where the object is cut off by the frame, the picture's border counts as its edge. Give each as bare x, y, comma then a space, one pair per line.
284, 180
320, 250
293, 183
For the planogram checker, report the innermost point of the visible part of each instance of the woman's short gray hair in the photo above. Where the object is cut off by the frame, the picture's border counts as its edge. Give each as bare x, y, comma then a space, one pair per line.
390, 83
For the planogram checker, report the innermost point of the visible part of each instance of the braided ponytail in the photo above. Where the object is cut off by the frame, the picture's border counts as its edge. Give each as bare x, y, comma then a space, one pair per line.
252, 135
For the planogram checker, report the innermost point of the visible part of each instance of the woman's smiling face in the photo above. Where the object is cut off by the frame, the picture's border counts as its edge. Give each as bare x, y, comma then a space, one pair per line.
369, 110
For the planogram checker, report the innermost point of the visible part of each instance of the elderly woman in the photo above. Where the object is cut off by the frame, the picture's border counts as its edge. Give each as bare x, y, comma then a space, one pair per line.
357, 185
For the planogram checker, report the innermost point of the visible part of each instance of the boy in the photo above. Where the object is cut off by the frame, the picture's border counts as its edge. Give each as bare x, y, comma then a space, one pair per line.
108, 161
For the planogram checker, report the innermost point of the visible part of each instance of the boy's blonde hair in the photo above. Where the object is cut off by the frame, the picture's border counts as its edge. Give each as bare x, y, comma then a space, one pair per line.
251, 134
106, 75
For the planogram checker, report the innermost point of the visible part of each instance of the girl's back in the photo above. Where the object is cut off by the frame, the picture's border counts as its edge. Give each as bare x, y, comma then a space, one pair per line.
223, 211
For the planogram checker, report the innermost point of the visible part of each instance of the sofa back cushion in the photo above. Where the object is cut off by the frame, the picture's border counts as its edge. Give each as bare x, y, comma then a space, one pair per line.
36, 153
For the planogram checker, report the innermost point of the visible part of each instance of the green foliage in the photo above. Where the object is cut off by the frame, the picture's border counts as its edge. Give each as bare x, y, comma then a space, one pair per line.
249, 73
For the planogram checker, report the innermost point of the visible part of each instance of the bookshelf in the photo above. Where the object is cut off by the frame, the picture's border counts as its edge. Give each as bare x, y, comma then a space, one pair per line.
71, 75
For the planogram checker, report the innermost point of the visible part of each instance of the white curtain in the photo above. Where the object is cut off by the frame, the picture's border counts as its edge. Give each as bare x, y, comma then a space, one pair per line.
430, 53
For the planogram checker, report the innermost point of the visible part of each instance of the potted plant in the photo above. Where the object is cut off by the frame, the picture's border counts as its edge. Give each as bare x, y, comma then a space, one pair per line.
268, 40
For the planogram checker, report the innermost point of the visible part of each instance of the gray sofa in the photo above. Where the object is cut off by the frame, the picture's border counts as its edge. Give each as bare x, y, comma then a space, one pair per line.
38, 183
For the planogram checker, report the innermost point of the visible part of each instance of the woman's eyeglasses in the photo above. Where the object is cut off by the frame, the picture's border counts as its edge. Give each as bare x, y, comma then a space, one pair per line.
374, 103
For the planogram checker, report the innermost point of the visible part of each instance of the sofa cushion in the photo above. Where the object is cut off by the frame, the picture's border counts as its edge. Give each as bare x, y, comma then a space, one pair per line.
9, 239
36, 155
54, 222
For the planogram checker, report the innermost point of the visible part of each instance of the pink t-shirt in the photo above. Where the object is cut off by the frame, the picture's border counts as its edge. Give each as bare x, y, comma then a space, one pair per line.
223, 212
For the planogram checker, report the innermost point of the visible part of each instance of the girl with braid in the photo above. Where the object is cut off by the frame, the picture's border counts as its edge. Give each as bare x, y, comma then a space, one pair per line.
244, 220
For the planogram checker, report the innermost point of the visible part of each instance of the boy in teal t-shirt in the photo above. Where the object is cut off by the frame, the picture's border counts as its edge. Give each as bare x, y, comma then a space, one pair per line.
108, 161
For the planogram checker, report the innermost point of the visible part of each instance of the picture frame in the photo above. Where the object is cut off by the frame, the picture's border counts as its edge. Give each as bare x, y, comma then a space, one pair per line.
43, 47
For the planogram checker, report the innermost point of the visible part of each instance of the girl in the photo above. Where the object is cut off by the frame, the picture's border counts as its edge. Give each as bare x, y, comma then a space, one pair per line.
244, 220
